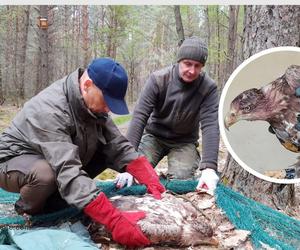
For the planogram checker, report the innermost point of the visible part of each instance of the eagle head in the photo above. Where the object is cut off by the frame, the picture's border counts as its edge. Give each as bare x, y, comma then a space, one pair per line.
249, 105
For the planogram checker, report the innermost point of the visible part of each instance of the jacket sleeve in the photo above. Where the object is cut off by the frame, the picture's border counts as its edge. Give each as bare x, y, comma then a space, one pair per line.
50, 137
118, 150
142, 111
210, 129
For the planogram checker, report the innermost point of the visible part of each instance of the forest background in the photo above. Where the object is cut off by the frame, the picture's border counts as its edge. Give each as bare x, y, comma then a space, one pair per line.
142, 38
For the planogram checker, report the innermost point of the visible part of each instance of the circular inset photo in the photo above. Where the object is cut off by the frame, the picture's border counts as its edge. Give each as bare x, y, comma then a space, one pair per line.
259, 115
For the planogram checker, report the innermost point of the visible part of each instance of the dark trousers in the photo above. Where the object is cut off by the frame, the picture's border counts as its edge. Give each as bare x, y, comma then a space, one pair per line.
183, 158
35, 180
32, 177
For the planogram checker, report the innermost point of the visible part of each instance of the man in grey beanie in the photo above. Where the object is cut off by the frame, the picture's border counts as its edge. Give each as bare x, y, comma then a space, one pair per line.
174, 103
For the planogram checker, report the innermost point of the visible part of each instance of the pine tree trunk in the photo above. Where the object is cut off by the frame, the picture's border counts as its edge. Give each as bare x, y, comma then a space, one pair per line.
179, 25
66, 40
1, 87
24, 43
15, 62
114, 36
267, 27
8, 51
77, 35
232, 37
270, 26
208, 38
43, 79
219, 46
85, 29
53, 73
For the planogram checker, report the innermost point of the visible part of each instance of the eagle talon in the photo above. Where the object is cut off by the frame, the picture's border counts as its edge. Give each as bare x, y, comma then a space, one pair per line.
290, 173
297, 126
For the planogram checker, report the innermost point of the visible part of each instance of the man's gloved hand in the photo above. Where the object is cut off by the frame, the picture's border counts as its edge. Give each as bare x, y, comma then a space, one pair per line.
142, 170
123, 179
208, 180
123, 225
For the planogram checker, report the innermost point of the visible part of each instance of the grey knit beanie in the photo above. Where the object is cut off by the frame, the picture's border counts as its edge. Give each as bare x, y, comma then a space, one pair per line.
193, 48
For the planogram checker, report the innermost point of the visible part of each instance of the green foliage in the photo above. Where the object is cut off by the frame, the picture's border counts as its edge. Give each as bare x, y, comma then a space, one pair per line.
143, 39
122, 119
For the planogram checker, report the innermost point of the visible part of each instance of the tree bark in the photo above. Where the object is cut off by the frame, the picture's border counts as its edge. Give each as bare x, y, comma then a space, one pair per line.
85, 35
53, 72
208, 38
66, 39
8, 49
2, 99
267, 27
218, 46
43, 79
179, 25
114, 33
109, 43
24, 43
270, 26
78, 32
15, 62
232, 37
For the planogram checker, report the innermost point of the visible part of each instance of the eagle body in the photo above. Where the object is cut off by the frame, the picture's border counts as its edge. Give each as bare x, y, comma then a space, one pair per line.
278, 103
170, 221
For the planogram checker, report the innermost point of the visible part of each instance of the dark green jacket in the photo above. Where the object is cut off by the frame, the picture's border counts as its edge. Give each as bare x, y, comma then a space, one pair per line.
57, 125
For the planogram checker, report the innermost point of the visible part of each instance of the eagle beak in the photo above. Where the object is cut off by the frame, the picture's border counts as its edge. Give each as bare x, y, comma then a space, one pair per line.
230, 119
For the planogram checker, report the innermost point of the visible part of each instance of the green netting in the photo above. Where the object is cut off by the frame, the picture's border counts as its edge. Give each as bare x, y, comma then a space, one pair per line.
108, 187
266, 225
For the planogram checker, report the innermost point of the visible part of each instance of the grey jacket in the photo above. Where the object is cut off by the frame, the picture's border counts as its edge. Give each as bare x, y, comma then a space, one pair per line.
57, 125
173, 110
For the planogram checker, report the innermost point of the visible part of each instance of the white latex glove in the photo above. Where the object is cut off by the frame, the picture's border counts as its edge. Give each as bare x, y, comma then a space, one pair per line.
122, 179
208, 181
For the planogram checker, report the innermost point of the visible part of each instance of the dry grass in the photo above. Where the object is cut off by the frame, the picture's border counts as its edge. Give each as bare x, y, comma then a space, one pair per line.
7, 113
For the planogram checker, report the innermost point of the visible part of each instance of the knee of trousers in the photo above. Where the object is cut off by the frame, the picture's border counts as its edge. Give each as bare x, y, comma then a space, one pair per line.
42, 173
180, 174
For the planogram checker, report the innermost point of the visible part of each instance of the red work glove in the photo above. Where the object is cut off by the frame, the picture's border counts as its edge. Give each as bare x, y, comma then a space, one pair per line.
121, 224
142, 170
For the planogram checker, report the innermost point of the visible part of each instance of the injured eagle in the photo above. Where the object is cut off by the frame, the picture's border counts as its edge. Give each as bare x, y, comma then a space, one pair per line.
278, 103
170, 221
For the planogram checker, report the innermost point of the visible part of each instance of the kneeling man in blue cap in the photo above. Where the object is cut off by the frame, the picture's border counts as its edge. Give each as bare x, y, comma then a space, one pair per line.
63, 137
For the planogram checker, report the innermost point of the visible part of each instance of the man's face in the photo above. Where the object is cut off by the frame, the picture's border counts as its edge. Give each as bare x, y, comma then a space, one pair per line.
189, 70
94, 99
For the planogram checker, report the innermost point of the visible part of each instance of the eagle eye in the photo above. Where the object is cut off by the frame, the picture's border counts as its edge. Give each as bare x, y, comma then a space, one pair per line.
246, 109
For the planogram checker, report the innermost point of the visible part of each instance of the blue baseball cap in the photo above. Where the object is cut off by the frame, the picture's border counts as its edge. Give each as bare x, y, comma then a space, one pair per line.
111, 78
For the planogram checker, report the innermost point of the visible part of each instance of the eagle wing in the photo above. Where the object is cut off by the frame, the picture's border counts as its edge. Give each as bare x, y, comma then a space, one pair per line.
286, 126
292, 76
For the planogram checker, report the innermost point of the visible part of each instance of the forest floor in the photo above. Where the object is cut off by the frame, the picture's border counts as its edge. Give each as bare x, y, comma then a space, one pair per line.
224, 232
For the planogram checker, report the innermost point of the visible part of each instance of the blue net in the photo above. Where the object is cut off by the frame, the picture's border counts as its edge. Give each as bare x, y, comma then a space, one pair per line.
266, 225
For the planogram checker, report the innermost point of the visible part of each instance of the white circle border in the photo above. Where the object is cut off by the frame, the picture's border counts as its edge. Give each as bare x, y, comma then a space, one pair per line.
221, 119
